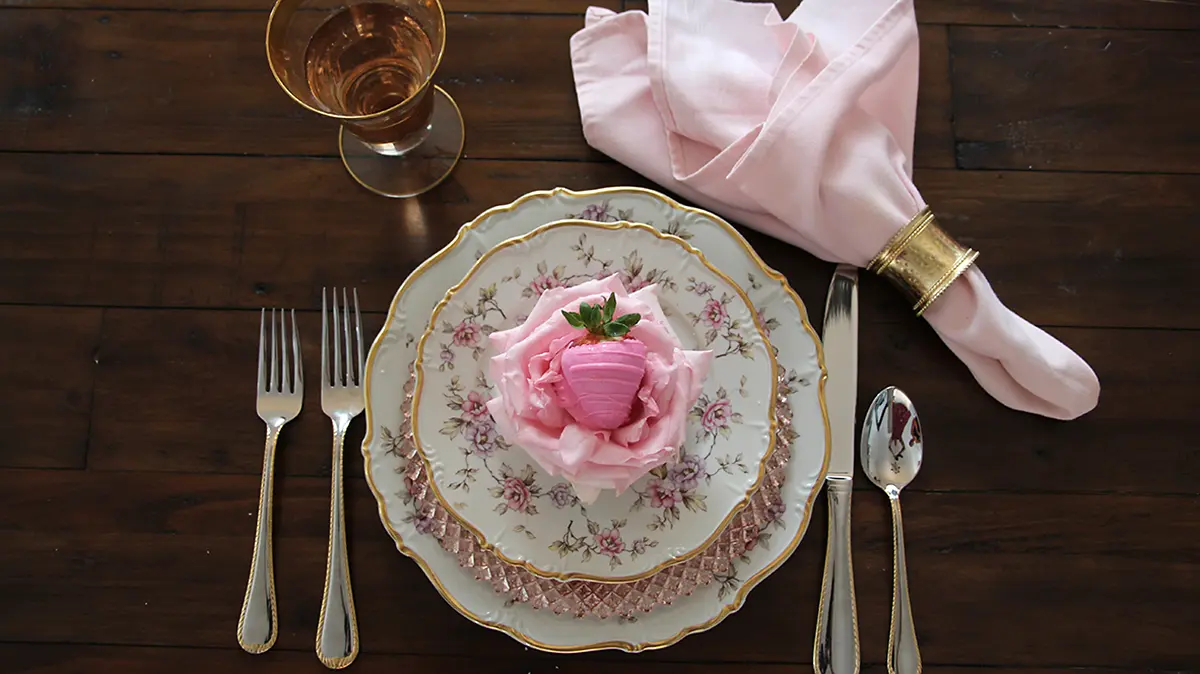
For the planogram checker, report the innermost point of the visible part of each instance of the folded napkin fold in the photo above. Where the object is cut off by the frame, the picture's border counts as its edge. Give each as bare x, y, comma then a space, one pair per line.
802, 129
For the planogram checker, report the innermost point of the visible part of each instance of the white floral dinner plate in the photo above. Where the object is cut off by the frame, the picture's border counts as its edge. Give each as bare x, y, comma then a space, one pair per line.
799, 353
532, 519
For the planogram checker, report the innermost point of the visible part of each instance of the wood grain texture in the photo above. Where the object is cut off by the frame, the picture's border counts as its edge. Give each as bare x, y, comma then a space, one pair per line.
1168, 14
1060, 249
145, 82
933, 145
1084, 100
42, 659
38, 659
1057, 561
194, 365
185, 368
264, 6
157, 189
134, 82
216, 231
46, 398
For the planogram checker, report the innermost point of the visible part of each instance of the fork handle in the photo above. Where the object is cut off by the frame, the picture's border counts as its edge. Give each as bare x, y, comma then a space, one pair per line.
258, 624
337, 629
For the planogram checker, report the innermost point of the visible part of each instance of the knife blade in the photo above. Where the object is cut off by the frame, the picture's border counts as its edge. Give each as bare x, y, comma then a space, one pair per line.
835, 650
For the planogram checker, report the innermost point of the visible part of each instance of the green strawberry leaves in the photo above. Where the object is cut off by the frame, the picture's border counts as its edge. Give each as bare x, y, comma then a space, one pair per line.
601, 320
615, 330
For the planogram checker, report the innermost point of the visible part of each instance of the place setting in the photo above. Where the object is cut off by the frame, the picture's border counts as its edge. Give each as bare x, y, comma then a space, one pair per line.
597, 419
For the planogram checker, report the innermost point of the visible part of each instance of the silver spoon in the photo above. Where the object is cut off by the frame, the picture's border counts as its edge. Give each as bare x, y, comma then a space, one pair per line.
891, 457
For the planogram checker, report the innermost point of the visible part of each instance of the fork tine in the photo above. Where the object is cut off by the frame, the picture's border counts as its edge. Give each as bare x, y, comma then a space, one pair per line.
337, 343
361, 363
324, 342
262, 344
350, 375
297, 365
284, 378
274, 383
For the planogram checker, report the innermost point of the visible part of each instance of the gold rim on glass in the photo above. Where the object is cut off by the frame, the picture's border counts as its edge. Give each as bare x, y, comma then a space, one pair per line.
513, 632
291, 4
418, 367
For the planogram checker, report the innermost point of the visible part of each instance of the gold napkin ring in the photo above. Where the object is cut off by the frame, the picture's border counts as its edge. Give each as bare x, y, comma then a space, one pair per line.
922, 260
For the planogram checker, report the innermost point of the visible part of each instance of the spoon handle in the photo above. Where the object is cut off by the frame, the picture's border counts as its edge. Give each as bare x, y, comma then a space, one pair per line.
904, 657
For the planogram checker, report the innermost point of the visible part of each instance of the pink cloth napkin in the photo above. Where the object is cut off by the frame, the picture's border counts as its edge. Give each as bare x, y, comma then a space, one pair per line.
802, 129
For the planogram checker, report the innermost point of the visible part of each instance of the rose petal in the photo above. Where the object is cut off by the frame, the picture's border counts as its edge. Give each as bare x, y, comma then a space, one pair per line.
576, 446
528, 407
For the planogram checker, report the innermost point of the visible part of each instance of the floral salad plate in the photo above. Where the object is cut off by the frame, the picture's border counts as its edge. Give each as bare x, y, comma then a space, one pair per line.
535, 520
672, 603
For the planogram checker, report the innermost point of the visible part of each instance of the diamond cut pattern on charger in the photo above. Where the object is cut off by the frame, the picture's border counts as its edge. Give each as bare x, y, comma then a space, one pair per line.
583, 598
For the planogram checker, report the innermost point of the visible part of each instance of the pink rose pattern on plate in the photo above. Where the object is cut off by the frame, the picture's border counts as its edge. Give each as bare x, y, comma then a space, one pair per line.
632, 273
716, 323
600, 540
677, 485
469, 332
603, 211
470, 422
749, 530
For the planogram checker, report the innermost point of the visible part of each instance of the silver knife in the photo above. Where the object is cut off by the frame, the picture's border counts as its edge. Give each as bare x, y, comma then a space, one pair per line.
835, 650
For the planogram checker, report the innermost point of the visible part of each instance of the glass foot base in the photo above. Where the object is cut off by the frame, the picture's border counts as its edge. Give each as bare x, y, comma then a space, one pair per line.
420, 169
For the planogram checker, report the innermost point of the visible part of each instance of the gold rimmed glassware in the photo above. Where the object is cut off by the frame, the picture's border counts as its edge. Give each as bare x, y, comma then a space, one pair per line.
369, 64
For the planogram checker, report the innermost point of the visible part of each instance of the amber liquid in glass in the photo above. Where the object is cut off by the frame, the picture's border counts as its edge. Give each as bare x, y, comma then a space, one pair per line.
367, 58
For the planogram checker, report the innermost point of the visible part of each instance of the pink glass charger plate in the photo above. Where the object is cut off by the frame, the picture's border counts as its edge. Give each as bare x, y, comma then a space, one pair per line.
584, 598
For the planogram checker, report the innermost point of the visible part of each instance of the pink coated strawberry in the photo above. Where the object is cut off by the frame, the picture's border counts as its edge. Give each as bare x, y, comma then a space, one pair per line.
604, 379
603, 370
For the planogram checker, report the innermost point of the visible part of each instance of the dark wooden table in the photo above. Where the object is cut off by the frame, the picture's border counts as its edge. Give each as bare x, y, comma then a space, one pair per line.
157, 188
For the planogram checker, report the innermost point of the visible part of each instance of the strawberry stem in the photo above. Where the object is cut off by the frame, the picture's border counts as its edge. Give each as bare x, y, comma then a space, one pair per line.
601, 320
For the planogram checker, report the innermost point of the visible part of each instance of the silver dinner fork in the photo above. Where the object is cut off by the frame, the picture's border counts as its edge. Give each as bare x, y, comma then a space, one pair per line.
342, 399
280, 398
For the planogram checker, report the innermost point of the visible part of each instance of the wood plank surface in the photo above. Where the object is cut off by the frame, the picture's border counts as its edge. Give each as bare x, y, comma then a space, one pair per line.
157, 188
46, 366
1154, 14
1161, 14
143, 82
218, 231
135, 82
264, 6
1082, 100
188, 535
933, 145
1060, 249
40, 659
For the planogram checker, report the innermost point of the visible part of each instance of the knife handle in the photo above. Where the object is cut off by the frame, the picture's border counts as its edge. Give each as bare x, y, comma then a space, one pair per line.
836, 648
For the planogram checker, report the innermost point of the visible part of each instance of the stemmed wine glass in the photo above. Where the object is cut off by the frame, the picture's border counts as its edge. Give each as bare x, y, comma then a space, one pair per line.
369, 64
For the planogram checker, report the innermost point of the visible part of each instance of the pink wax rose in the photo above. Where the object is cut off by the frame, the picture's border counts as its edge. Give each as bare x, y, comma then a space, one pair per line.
532, 409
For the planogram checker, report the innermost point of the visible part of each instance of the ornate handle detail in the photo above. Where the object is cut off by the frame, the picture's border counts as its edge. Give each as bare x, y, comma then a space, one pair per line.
836, 647
258, 624
337, 629
904, 657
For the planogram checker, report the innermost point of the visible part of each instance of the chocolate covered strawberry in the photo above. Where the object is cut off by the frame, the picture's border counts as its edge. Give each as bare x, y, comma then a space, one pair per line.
603, 369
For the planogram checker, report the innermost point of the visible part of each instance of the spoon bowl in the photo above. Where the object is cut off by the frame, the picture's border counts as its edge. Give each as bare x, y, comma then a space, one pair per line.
891, 457
891, 443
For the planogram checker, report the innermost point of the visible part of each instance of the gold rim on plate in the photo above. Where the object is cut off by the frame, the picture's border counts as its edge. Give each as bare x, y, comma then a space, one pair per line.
418, 367
513, 632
